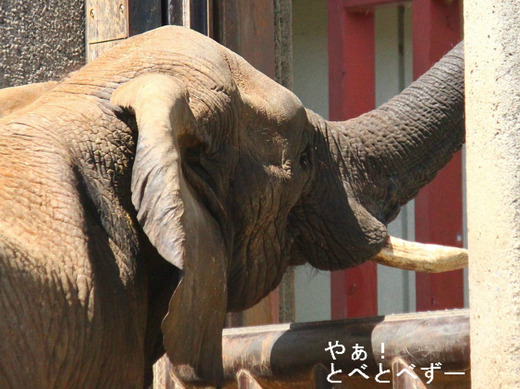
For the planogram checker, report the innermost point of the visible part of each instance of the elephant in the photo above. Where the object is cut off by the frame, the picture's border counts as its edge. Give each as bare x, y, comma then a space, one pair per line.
169, 182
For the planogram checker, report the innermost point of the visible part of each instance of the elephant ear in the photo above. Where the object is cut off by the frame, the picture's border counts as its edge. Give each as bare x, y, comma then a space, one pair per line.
178, 225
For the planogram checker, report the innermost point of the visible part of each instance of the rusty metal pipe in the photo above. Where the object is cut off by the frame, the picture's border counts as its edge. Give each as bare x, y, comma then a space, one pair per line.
291, 350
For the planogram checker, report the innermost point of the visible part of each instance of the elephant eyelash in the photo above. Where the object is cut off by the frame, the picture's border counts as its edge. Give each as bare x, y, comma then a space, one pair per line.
306, 158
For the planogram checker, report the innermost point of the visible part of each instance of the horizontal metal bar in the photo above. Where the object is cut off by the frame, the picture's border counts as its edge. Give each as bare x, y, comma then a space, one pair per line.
289, 350
369, 4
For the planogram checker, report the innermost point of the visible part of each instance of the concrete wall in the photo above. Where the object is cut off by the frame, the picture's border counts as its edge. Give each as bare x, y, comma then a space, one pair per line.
40, 40
492, 71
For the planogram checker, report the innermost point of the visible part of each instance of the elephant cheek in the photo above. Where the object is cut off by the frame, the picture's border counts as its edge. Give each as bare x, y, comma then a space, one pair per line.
339, 238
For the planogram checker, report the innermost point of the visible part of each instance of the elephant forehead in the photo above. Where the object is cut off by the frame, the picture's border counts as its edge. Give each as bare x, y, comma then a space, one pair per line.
189, 57
265, 97
273, 118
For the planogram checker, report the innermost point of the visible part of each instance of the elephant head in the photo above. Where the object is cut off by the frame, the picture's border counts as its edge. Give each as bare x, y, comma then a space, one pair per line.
232, 179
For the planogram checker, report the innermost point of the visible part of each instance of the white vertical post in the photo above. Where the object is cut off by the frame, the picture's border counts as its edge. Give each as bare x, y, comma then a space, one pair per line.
492, 60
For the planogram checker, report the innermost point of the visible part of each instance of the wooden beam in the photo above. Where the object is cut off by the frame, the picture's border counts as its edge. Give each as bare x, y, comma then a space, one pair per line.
351, 62
351, 93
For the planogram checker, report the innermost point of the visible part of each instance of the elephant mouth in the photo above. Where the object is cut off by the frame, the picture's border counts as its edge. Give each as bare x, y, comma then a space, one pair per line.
429, 258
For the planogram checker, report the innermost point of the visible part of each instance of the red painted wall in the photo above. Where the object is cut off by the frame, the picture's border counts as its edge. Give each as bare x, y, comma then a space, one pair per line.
351, 93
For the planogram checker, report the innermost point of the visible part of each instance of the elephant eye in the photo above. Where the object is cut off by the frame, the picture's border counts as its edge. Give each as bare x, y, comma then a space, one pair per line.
306, 158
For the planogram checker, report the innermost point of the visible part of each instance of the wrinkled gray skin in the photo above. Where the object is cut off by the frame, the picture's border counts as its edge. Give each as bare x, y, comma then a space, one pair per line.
201, 163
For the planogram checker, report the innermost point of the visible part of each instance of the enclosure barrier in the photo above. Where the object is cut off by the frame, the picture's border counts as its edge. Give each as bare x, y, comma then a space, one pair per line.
420, 350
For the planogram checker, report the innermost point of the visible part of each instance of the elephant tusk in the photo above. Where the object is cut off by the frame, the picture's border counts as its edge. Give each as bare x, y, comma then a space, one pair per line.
429, 258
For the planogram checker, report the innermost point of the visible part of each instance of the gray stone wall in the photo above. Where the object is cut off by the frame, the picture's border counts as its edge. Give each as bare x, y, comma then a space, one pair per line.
40, 40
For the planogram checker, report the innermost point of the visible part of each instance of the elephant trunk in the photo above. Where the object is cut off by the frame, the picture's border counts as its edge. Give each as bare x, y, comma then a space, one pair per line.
400, 146
368, 167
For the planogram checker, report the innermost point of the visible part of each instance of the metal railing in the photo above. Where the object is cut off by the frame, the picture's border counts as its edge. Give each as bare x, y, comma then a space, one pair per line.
420, 350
